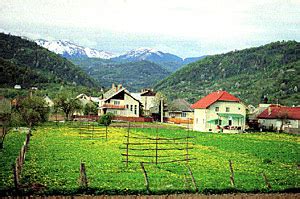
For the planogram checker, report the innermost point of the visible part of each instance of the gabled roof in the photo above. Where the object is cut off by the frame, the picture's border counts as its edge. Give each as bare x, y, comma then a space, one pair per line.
119, 91
211, 98
148, 93
180, 105
277, 112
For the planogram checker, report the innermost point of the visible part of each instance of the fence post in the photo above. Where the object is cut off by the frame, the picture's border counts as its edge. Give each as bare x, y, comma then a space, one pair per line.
193, 179
156, 147
232, 173
106, 133
187, 147
15, 172
266, 180
127, 144
83, 178
146, 178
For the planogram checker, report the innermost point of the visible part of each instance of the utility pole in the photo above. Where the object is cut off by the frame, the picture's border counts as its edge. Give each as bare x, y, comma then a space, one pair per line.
161, 110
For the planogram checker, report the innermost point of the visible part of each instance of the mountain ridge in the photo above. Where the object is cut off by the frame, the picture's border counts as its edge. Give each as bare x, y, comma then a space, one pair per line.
133, 75
272, 70
24, 62
71, 50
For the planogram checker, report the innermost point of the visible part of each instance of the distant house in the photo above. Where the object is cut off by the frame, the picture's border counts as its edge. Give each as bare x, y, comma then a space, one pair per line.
219, 111
48, 101
278, 117
119, 102
254, 113
179, 111
147, 98
84, 99
17, 86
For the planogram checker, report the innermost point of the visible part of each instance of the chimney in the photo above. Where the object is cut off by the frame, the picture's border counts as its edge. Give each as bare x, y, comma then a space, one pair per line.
269, 110
120, 86
113, 86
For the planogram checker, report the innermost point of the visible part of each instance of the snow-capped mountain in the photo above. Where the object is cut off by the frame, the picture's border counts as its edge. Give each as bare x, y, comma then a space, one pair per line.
169, 61
148, 54
69, 49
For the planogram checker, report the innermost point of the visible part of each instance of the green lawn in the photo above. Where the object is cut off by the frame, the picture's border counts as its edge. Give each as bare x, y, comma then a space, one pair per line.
55, 153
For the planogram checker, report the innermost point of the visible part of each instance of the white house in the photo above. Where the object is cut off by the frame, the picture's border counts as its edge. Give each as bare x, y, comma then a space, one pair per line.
147, 98
219, 111
278, 117
119, 102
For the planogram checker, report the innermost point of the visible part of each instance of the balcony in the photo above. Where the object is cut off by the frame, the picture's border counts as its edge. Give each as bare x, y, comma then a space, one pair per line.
112, 106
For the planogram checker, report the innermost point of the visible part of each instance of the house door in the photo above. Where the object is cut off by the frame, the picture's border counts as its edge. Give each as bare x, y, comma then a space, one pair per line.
229, 122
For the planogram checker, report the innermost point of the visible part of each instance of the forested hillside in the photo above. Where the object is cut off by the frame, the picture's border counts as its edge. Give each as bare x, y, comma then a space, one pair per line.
133, 75
24, 62
272, 70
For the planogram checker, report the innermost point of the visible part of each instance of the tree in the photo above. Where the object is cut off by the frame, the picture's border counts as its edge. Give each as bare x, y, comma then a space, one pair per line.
33, 110
68, 105
90, 108
106, 119
283, 117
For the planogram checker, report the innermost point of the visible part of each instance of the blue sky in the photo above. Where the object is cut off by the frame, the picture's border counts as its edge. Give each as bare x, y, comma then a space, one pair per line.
186, 28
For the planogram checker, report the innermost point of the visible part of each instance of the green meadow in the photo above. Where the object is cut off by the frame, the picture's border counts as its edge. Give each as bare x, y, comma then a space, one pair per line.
55, 153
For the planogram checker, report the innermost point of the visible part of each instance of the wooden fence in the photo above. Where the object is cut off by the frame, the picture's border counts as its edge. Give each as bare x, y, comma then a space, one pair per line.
90, 130
133, 119
20, 160
156, 150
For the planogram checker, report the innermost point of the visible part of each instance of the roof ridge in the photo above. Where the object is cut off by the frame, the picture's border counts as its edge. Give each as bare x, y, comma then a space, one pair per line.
222, 93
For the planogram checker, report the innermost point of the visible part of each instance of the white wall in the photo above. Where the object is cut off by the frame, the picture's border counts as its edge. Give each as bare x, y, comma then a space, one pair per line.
202, 116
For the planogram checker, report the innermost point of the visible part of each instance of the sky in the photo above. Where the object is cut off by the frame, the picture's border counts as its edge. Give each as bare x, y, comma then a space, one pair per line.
187, 28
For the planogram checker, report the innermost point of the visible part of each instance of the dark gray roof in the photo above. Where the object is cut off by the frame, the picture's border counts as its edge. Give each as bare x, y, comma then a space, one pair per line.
180, 105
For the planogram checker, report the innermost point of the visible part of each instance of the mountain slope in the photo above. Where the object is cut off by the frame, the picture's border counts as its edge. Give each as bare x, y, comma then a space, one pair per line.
69, 49
169, 61
24, 62
133, 75
272, 70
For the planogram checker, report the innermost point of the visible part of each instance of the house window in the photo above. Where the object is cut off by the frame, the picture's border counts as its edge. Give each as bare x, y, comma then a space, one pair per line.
183, 114
218, 122
127, 106
217, 109
131, 107
116, 102
135, 109
227, 109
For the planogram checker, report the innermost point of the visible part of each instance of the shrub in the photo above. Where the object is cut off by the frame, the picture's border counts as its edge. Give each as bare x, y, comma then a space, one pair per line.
106, 119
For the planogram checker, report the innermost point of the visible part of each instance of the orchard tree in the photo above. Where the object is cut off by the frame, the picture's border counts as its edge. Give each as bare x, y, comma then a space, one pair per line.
33, 110
68, 105
90, 108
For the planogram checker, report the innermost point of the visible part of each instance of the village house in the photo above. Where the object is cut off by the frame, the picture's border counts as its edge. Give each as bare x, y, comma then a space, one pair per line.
147, 98
179, 112
219, 111
84, 99
119, 102
277, 117
48, 101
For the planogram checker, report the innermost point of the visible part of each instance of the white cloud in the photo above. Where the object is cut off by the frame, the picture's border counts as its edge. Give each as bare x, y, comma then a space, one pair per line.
211, 21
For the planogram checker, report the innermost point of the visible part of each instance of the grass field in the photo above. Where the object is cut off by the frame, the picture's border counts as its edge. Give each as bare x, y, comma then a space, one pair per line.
55, 154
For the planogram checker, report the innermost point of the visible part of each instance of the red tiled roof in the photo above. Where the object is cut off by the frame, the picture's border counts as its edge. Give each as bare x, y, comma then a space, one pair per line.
275, 112
213, 97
